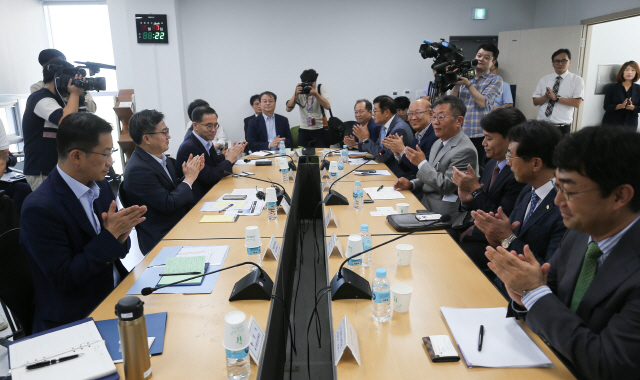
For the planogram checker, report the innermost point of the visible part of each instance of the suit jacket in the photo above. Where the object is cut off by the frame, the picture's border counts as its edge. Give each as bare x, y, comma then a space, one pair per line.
257, 135
372, 127
602, 338
246, 124
434, 177
615, 94
425, 145
543, 230
383, 154
213, 166
167, 199
72, 265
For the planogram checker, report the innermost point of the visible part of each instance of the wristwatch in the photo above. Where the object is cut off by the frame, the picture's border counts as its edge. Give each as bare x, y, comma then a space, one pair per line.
365, 141
507, 242
558, 97
477, 191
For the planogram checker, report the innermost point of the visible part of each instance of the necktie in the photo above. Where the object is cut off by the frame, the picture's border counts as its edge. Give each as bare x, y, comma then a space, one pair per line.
534, 202
440, 148
383, 132
494, 175
589, 266
556, 86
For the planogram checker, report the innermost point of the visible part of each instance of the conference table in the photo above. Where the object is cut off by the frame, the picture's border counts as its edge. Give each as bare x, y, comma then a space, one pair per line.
440, 275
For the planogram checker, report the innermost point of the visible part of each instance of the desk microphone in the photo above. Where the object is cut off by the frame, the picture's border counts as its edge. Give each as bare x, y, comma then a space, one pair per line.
335, 198
257, 285
346, 284
281, 193
324, 163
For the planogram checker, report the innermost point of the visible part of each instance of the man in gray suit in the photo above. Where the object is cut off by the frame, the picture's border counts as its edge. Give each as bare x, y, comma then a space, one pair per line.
585, 302
453, 150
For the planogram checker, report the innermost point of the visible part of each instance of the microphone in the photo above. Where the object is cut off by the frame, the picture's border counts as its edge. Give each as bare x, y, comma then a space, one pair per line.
335, 198
325, 163
347, 284
281, 193
257, 285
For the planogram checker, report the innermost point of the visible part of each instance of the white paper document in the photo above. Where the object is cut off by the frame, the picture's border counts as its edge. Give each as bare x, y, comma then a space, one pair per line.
257, 337
345, 336
261, 153
251, 162
273, 247
377, 172
12, 177
360, 161
386, 192
505, 344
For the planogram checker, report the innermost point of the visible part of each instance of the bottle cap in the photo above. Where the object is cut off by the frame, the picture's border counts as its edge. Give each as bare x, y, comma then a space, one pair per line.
364, 227
381, 273
344, 146
357, 183
129, 308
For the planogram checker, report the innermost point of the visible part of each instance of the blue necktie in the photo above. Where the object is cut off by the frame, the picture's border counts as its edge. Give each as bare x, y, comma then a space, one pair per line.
383, 130
534, 202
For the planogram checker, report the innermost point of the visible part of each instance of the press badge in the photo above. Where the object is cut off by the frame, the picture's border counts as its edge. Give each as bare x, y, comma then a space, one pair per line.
311, 121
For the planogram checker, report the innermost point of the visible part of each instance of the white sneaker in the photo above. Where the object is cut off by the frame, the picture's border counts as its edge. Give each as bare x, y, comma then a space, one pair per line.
3, 323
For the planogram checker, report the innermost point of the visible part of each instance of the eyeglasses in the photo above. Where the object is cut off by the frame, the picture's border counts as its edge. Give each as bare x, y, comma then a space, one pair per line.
510, 157
211, 127
107, 155
410, 114
441, 117
268, 101
377, 111
560, 61
164, 132
569, 194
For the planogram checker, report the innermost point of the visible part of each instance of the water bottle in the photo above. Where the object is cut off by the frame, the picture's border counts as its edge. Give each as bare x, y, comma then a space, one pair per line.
282, 149
366, 244
132, 329
238, 364
252, 243
355, 246
284, 169
381, 297
235, 341
342, 161
358, 196
272, 203
333, 171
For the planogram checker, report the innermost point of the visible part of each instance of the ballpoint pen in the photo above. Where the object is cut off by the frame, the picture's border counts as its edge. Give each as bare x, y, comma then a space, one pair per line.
51, 362
226, 208
480, 337
380, 188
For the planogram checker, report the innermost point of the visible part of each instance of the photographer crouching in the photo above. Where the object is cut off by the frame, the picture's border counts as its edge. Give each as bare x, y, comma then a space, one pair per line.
311, 100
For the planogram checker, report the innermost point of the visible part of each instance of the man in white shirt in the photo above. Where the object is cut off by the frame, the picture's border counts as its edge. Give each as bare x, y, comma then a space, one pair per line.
310, 98
559, 94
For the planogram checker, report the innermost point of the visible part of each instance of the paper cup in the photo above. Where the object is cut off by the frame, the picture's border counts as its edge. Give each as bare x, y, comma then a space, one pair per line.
236, 332
284, 163
402, 208
401, 297
404, 254
271, 195
252, 237
354, 245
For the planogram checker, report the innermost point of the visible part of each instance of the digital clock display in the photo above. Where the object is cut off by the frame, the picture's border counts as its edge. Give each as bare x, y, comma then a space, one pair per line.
153, 35
152, 29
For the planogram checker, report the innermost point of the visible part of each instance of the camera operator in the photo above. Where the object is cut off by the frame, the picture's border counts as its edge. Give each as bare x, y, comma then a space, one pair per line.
478, 95
47, 55
43, 113
310, 98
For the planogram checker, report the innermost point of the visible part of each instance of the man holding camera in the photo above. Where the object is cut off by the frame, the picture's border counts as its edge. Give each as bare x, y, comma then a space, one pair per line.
310, 101
44, 111
479, 94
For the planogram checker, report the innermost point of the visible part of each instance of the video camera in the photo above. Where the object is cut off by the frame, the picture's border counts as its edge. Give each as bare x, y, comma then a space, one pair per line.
449, 65
306, 87
63, 73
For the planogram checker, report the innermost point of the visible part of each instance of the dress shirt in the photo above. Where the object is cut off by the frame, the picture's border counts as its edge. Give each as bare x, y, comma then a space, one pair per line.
163, 162
384, 129
542, 193
443, 143
206, 143
271, 127
605, 245
505, 97
571, 87
501, 166
490, 86
310, 107
425, 92
419, 137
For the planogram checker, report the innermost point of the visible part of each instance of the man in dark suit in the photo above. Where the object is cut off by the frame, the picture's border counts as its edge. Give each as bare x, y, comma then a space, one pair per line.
266, 132
364, 117
419, 116
151, 178
205, 121
535, 219
585, 302
193, 105
70, 230
255, 104
384, 113
498, 186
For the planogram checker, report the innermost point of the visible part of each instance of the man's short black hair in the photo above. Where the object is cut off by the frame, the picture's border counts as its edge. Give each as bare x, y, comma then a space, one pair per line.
51, 67
536, 138
490, 47
309, 76
199, 113
455, 104
607, 155
254, 98
48, 54
367, 104
144, 122
402, 102
560, 51
80, 130
195, 104
385, 102
502, 120
275, 98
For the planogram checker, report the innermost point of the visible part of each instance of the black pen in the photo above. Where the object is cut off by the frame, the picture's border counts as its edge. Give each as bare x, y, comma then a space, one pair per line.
51, 362
480, 337
178, 274
380, 188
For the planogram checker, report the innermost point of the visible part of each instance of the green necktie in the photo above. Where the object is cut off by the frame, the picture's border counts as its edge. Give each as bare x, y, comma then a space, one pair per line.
587, 272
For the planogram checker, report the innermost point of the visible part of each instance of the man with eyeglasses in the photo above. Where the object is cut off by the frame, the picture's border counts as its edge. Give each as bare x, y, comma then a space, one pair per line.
151, 178
267, 130
535, 220
559, 94
585, 302
70, 230
200, 142
363, 111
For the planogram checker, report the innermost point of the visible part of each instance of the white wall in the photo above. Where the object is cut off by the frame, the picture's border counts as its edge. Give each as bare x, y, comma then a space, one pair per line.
24, 35
551, 13
607, 48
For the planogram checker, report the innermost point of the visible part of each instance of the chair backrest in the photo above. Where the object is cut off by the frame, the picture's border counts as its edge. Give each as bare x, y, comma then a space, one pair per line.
16, 279
348, 127
294, 135
122, 195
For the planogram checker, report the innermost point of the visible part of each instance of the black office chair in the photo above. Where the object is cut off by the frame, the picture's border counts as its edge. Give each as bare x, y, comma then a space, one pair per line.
123, 196
16, 285
113, 179
348, 127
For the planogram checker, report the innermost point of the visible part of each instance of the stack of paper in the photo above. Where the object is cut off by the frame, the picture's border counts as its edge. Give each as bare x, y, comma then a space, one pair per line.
387, 192
360, 161
194, 265
222, 205
376, 172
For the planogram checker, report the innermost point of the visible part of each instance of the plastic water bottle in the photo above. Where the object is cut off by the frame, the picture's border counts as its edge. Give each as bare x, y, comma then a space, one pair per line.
272, 210
282, 149
285, 174
358, 196
254, 255
381, 297
366, 244
342, 161
238, 364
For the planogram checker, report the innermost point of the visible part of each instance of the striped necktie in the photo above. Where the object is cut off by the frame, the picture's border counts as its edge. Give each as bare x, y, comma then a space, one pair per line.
588, 271
552, 103
534, 202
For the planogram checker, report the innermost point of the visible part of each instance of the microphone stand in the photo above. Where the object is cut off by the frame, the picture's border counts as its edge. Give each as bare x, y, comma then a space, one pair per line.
257, 285
281, 193
335, 198
347, 284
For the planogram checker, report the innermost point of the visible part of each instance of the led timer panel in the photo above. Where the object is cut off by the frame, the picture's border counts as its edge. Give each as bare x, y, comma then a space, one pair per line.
152, 29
